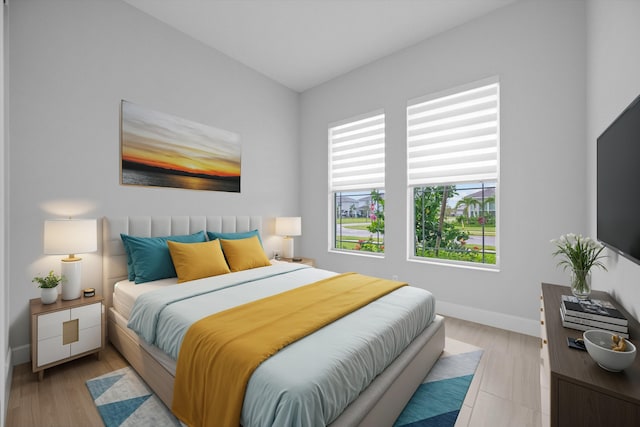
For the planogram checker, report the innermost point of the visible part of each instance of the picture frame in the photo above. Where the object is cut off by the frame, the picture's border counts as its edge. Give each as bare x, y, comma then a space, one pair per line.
162, 150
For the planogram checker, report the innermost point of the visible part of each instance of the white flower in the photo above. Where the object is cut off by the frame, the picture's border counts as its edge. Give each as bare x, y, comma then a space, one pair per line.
578, 253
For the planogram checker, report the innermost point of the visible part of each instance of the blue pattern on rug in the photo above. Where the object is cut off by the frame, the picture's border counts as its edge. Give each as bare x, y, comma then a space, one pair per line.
437, 401
115, 413
102, 384
124, 400
443, 420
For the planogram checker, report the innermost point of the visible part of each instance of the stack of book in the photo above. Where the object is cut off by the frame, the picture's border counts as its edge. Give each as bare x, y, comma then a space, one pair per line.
592, 314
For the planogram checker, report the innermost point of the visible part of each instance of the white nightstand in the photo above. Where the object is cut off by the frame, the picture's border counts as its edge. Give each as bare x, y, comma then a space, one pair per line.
65, 330
306, 261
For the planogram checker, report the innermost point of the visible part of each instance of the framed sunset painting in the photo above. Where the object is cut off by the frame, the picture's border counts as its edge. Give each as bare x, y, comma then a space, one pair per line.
161, 150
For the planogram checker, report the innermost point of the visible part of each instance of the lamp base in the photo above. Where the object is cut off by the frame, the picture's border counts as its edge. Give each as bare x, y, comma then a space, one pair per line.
287, 247
71, 273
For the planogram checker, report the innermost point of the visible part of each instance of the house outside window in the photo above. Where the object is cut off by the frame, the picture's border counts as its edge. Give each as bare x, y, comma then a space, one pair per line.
453, 174
356, 184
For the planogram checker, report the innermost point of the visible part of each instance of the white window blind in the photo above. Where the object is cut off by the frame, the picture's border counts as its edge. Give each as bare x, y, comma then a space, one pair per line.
454, 138
356, 154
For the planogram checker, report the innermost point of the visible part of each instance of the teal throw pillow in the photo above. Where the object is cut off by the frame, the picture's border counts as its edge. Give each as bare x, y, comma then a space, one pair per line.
213, 235
131, 275
150, 256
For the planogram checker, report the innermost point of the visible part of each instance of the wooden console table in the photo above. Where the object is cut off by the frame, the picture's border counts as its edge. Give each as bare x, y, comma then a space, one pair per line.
578, 391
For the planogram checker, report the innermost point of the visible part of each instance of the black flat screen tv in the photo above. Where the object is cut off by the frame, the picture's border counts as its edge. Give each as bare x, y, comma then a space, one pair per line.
618, 174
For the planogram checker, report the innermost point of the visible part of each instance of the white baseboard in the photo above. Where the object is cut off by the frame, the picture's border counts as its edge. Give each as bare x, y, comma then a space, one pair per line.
490, 318
21, 355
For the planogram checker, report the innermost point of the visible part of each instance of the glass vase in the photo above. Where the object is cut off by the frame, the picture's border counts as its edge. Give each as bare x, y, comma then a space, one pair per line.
581, 283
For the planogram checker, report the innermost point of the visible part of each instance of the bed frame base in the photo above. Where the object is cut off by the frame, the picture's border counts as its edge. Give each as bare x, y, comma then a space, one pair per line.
152, 372
379, 405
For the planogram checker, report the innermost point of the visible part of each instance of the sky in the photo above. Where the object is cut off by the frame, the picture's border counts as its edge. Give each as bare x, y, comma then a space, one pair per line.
162, 140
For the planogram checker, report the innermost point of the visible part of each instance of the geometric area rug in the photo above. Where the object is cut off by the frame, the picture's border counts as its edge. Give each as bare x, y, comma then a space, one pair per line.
124, 400
437, 401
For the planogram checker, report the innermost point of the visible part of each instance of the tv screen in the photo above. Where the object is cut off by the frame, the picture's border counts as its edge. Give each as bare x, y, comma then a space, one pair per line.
618, 205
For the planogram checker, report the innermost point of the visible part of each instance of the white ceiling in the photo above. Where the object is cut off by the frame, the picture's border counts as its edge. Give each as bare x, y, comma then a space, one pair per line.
303, 43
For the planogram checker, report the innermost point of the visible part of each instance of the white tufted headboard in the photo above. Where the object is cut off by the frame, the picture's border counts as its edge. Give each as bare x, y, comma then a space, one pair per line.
114, 258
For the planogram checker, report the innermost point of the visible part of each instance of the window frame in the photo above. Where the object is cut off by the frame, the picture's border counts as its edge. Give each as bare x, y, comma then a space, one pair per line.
411, 229
332, 223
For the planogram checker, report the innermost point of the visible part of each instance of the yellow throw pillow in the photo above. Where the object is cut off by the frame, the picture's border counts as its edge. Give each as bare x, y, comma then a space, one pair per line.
197, 260
243, 254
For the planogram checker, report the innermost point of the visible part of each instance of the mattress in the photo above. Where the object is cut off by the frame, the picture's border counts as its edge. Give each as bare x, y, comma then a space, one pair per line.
125, 293
311, 381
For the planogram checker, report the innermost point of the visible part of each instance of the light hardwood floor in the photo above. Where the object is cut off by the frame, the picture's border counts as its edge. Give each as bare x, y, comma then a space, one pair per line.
61, 398
504, 392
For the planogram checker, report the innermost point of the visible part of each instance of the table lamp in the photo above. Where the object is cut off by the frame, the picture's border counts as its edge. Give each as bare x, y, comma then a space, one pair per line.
70, 237
288, 227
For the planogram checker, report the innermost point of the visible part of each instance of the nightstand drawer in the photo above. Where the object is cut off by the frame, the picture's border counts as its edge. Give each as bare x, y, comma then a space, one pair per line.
50, 325
88, 315
51, 350
89, 339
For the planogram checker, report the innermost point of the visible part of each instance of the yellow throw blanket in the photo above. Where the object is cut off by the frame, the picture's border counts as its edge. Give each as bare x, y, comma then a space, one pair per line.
220, 352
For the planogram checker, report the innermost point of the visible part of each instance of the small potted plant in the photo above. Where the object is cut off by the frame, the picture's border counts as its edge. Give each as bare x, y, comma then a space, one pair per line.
48, 287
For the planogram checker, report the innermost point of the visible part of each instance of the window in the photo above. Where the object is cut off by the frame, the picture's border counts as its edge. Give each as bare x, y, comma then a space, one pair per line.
452, 151
356, 184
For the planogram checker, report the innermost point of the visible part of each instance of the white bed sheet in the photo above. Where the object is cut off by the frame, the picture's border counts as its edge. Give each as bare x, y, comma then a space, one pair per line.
125, 293
336, 364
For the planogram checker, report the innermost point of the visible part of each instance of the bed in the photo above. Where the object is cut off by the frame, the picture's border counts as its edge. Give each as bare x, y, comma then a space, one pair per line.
378, 404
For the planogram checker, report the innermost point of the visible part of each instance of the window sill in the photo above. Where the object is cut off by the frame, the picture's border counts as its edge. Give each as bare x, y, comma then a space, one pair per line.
377, 255
456, 264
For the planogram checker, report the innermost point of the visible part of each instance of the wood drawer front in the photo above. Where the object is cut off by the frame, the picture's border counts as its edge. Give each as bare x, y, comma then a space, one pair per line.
50, 325
90, 339
88, 315
588, 408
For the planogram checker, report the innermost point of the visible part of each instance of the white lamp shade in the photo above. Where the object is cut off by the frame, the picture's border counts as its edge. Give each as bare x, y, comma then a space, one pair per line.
289, 226
70, 236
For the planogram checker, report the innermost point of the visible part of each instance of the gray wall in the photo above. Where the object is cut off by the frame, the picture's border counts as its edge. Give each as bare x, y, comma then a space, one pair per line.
538, 49
613, 82
70, 64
